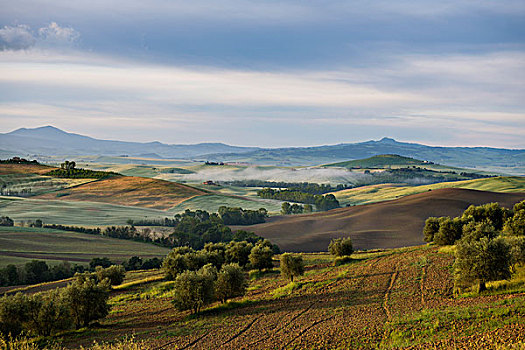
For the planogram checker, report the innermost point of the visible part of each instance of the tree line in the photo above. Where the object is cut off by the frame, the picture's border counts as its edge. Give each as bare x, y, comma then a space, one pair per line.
489, 239
74, 173
321, 202
307, 187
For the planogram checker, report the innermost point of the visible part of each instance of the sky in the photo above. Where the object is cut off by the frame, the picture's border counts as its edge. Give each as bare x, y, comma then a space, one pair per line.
267, 73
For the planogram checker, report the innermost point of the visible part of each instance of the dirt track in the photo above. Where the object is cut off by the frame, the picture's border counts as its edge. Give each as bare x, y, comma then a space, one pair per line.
392, 224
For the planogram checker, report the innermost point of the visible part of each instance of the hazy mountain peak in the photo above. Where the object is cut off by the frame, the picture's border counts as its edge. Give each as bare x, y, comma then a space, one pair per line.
387, 140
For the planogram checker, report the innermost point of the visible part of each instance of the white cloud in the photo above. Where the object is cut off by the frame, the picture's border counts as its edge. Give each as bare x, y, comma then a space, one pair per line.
22, 37
16, 38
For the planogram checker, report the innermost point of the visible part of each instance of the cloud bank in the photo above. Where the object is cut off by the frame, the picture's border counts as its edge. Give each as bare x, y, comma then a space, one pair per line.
22, 37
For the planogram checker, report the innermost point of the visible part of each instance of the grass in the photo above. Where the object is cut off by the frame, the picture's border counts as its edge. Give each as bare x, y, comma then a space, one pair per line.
53, 246
74, 212
386, 192
33, 184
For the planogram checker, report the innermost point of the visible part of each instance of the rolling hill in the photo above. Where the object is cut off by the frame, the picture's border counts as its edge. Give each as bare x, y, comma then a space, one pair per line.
130, 191
380, 161
389, 224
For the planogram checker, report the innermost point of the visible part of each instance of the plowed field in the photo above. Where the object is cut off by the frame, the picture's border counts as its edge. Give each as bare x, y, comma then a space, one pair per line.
389, 299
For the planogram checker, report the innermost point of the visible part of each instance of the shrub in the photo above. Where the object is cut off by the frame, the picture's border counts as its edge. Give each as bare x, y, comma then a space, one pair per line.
115, 274
230, 283
341, 247
291, 265
193, 290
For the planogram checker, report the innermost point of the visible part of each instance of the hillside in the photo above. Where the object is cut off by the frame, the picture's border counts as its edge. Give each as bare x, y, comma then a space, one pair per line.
389, 224
386, 192
381, 300
380, 161
130, 191
19, 245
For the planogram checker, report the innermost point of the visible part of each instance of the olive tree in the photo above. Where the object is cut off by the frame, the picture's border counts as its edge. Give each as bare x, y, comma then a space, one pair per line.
193, 290
431, 228
480, 261
261, 256
291, 265
47, 313
341, 247
115, 274
13, 314
449, 231
230, 283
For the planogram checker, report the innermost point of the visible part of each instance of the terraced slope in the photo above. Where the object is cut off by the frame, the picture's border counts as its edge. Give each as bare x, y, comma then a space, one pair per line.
129, 191
390, 224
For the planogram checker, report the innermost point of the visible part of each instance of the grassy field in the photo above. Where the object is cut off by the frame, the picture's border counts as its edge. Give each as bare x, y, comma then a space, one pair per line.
74, 212
386, 192
22, 244
381, 300
32, 184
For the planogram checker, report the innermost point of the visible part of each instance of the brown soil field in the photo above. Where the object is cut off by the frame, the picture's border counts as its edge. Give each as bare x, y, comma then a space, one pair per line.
7, 169
130, 191
392, 224
393, 299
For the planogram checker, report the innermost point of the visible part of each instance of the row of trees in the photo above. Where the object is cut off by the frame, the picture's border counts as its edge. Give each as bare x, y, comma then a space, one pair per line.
80, 303
239, 216
73, 173
489, 239
6, 221
307, 187
287, 208
321, 202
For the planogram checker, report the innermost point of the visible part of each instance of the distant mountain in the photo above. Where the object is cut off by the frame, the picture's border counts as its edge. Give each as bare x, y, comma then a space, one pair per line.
49, 140
467, 157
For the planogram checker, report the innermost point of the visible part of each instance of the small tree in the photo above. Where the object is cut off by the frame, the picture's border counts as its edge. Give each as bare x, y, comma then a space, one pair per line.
47, 313
13, 314
238, 252
341, 247
104, 262
480, 261
286, 208
515, 225
517, 252
261, 256
193, 290
115, 274
230, 283
87, 300
449, 231
431, 228
291, 265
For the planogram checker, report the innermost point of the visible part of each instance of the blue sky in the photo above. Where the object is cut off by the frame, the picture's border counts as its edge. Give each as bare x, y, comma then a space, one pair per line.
267, 73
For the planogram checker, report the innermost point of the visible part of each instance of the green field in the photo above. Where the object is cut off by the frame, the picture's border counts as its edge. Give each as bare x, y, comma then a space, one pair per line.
22, 244
386, 192
74, 213
32, 184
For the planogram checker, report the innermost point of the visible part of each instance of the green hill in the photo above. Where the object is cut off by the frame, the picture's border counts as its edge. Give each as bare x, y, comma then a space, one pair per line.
381, 161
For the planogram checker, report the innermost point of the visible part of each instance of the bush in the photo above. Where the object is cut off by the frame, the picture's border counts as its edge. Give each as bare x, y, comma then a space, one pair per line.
115, 274
480, 261
103, 262
341, 247
291, 265
193, 290
230, 283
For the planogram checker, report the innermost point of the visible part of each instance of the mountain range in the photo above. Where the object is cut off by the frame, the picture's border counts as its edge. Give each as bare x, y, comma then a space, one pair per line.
51, 141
